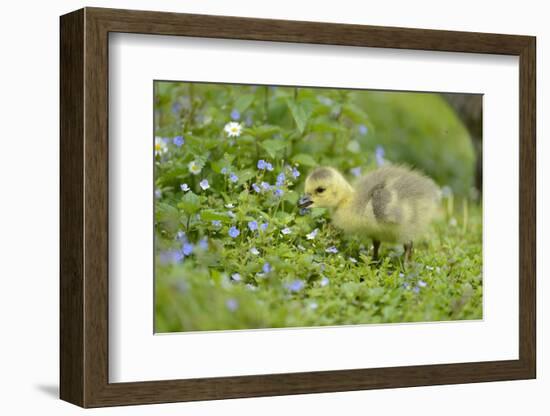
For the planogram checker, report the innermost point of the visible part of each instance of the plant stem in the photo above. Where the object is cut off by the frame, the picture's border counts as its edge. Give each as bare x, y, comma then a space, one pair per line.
266, 102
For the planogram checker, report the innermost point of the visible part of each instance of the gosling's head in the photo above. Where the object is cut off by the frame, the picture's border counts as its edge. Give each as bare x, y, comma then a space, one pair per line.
325, 188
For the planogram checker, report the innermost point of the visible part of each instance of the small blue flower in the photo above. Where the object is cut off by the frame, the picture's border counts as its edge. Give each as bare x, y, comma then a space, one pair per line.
295, 285
416, 289
265, 186
269, 166
235, 115
422, 283
266, 267
181, 236
356, 171
264, 226
255, 251
236, 277
224, 171
232, 304
312, 234
363, 129
313, 305
332, 250
233, 178
279, 193
324, 281
379, 155
216, 223
203, 244
184, 187
253, 225
158, 193
234, 232
176, 107
178, 141
261, 164
204, 184
286, 231
280, 179
187, 249
170, 256
295, 173
256, 187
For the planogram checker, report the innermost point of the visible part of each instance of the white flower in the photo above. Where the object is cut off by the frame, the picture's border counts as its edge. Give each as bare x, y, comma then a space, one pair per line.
254, 251
233, 129
194, 167
230, 206
160, 146
184, 187
353, 260
204, 184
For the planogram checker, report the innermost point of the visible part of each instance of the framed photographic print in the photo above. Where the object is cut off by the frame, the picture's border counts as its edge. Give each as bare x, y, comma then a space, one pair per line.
256, 207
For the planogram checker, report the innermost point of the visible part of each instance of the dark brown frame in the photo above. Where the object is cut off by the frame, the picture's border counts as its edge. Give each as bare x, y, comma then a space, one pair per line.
84, 207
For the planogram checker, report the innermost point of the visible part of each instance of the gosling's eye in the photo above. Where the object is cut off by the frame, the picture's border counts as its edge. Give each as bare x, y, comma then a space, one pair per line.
320, 190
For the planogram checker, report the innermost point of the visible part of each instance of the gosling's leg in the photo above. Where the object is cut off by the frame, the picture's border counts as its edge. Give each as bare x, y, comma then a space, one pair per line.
408, 251
375, 248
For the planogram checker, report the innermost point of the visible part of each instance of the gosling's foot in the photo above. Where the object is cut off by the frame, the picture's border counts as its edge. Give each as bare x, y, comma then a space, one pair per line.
408, 252
375, 250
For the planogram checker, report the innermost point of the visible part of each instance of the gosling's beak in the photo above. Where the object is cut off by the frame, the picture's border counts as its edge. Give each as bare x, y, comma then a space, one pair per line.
305, 201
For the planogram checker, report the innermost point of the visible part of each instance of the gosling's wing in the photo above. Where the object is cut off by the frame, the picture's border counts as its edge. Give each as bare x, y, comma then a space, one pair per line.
375, 199
385, 204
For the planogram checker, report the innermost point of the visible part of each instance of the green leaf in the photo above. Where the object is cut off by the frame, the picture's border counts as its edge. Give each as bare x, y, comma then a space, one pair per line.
354, 113
218, 165
304, 160
353, 146
229, 157
190, 203
318, 212
291, 197
264, 131
245, 175
273, 146
168, 216
243, 102
299, 114
211, 215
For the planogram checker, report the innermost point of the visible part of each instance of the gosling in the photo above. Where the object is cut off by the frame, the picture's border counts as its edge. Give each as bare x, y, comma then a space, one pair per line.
392, 204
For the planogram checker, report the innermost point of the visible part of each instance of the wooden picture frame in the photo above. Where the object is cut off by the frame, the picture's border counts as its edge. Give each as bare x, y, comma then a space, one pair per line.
84, 207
